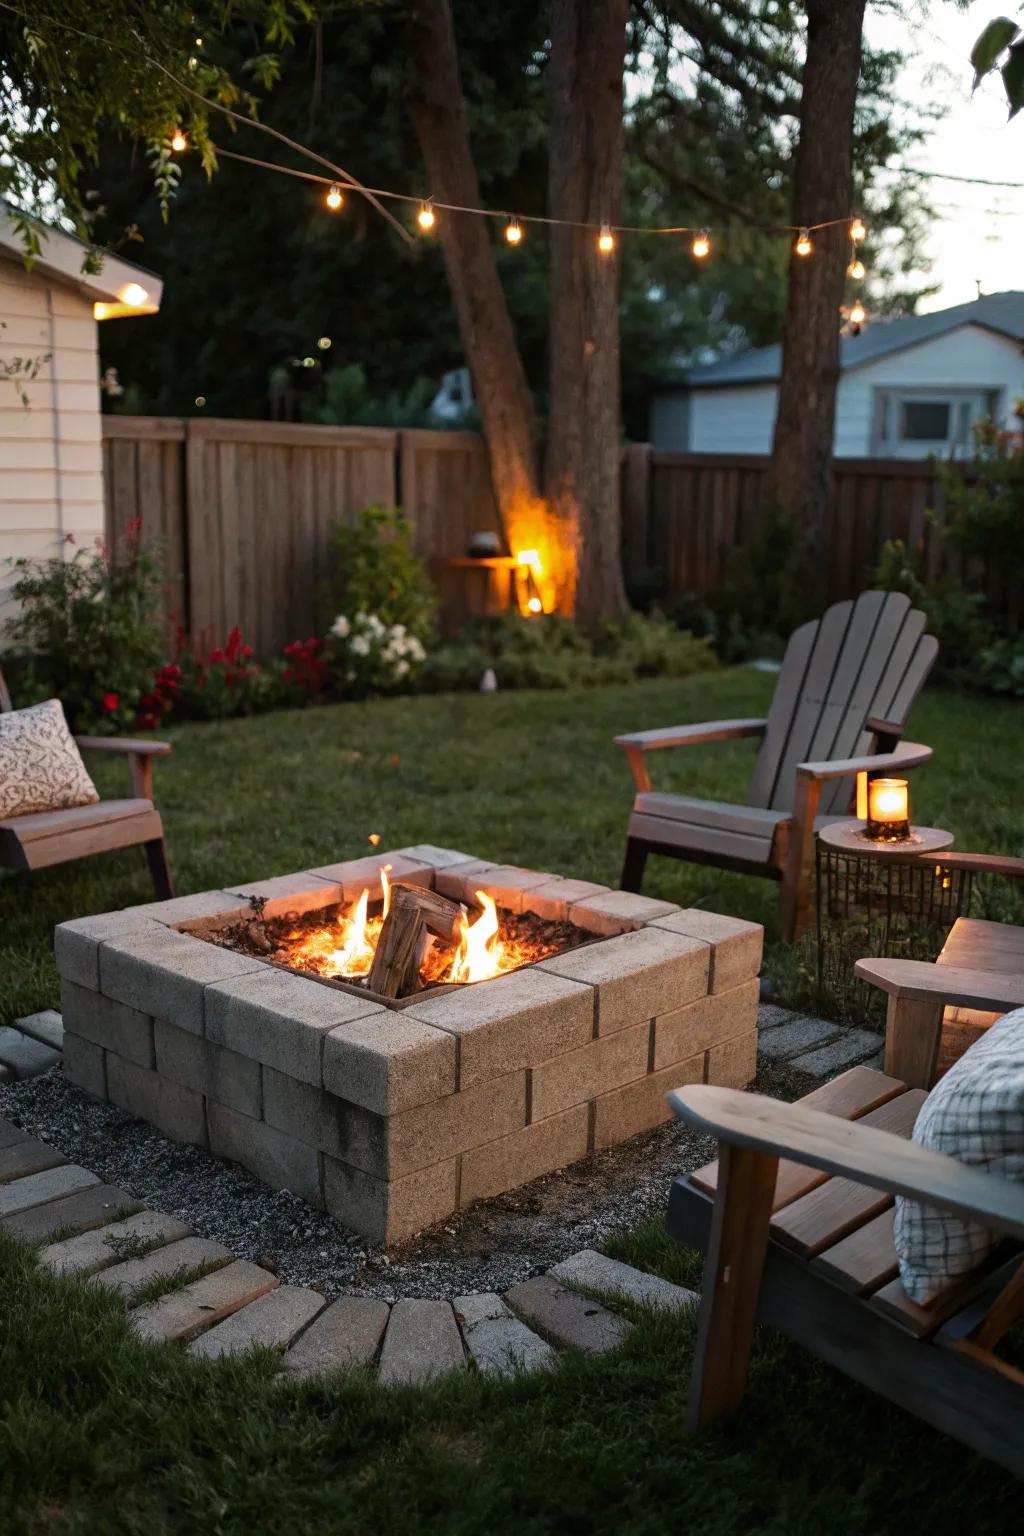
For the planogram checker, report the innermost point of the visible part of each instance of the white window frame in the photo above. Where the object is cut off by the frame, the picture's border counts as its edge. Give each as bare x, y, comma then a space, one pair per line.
982, 401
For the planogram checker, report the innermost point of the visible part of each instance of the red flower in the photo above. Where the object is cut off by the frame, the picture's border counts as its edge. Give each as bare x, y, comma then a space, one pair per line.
247, 651
111, 702
217, 655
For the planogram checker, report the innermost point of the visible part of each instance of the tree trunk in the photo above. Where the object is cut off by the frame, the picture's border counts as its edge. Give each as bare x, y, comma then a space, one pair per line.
438, 114
588, 39
822, 189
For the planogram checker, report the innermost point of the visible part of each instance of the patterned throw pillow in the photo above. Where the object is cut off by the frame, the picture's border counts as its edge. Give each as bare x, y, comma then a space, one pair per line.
41, 768
975, 1114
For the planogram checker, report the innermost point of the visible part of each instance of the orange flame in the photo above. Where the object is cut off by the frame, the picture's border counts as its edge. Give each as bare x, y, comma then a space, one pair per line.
478, 956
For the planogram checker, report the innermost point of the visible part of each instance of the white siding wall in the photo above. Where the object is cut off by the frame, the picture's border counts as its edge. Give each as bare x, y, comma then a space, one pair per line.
51, 466
741, 419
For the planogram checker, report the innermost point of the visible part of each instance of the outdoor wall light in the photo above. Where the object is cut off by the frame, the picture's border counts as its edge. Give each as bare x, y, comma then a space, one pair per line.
888, 818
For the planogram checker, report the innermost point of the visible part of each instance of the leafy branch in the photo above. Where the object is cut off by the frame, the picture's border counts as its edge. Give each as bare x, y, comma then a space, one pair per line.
1001, 47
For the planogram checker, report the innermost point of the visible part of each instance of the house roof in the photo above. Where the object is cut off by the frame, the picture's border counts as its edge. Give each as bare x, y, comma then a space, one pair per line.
1001, 312
119, 288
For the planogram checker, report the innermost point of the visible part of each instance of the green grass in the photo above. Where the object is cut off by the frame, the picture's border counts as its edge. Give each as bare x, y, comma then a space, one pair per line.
527, 777
101, 1434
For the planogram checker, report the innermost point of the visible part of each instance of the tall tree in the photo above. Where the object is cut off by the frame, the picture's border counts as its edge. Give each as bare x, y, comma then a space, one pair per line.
588, 42
822, 190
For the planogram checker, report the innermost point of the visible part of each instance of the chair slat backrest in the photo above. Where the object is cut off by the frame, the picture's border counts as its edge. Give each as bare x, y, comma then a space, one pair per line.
861, 660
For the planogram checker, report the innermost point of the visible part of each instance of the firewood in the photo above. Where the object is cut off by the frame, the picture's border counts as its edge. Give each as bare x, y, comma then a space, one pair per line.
412, 916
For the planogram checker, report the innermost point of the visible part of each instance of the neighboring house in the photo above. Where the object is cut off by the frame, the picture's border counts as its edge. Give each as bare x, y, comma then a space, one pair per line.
908, 388
455, 397
51, 460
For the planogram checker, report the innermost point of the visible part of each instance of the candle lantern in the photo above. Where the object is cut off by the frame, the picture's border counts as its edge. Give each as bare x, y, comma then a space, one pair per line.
888, 818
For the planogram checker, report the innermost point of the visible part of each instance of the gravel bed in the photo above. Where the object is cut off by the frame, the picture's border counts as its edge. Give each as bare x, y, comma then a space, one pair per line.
488, 1248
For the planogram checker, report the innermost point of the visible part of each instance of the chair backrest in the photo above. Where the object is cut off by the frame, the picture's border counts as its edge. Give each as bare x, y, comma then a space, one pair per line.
863, 659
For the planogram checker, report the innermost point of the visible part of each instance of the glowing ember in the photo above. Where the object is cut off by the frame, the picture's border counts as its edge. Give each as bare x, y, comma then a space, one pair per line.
480, 952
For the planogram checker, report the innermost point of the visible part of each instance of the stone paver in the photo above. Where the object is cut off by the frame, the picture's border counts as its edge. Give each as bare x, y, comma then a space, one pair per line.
162, 1263
269, 1323
92, 1207
770, 1016
27, 1156
106, 1246
422, 1343
41, 1188
47, 1026
10, 1134
189, 1312
565, 1317
851, 1047
795, 1037
25, 1056
499, 1342
594, 1271
345, 1335
6, 1075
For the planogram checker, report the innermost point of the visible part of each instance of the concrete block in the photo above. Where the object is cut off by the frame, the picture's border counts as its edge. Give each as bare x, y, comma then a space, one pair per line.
177, 1112
104, 1246
270, 1322
291, 893
459, 881
636, 975
192, 909
162, 1264
115, 1026
390, 1211
553, 899
280, 1019
526, 1154
29, 1155
512, 1022
733, 1063
498, 1342
85, 1065
431, 1133
591, 1271
296, 1108
24, 1056
642, 1105
76, 945
597, 1067
388, 1062
41, 1188
209, 1069
618, 912
437, 858
422, 1342
736, 946
11, 1134
358, 875
508, 886
795, 1037
46, 1027
92, 1206
280, 1160
705, 1023
191, 1311
165, 973
565, 1317
344, 1336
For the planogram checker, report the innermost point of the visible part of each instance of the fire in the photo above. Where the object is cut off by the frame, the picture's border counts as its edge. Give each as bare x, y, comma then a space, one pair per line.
478, 956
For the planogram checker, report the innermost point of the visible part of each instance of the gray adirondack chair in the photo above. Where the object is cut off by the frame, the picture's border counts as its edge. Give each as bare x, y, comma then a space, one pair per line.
43, 838
847, 683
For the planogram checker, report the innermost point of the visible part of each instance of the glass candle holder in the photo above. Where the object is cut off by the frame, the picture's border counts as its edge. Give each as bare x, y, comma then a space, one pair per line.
888, 818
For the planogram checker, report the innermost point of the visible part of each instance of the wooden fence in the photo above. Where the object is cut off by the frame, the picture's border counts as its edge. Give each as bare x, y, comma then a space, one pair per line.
243, 510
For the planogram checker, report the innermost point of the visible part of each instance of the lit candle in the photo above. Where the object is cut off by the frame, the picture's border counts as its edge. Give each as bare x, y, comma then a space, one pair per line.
888, 810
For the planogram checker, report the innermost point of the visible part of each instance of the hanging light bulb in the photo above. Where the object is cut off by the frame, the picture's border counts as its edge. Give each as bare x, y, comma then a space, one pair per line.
334, 199
858, 230
701, 246
858, 314
178, 141
803, 246
856, 270
605, 241
513, 232
425, 217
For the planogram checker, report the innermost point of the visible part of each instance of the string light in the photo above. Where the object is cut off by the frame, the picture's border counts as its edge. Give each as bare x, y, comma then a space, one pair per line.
858, 314
334, 199
425, 217
178, 141
605, 241
804, 246
513, 232
856, 270
701, 246
858, 230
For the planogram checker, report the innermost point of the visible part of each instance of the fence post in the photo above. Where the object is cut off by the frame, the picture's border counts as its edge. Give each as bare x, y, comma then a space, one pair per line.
636, 508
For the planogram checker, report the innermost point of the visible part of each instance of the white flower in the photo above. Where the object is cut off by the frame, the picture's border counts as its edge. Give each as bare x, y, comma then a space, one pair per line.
360, 646
341, 627
401, 668
415, 649
398, 631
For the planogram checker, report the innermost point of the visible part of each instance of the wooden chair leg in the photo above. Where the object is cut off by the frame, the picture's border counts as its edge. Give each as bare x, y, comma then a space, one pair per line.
159, 868
795, 898
635, 862
732, 1282
913, 1031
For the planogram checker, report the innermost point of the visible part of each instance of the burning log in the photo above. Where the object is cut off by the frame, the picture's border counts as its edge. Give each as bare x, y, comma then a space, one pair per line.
413, 915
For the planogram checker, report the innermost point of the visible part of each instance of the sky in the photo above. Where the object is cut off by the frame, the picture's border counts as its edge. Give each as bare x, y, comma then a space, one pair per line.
978, 234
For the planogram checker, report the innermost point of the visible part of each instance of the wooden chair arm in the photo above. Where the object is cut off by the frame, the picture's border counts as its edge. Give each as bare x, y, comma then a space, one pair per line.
124, 746
906, 754
639, 742
978, 863
922, 981
853, 1150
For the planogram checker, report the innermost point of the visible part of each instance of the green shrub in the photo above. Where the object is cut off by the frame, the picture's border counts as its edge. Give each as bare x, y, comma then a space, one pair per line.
1001, 666
377, 571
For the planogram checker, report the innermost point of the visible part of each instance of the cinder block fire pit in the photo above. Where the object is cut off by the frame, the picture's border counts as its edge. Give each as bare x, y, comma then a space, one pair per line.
244, 1021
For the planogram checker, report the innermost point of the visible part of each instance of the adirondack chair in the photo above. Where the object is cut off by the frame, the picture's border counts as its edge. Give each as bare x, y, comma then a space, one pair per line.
812, 1255
847, 683
43, 838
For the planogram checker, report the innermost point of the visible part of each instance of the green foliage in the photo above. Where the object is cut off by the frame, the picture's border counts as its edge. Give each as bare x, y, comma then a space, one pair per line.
91, 631
345, 400
368, 656
1001, 46
376, 570
1001, 666
552, 652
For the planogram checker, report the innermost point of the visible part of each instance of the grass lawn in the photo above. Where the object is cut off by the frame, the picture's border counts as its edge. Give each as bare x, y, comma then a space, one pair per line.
101, 1434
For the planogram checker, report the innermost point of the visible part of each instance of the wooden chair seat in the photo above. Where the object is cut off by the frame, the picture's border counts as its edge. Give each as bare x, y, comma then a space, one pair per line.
44, 838
745, 833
